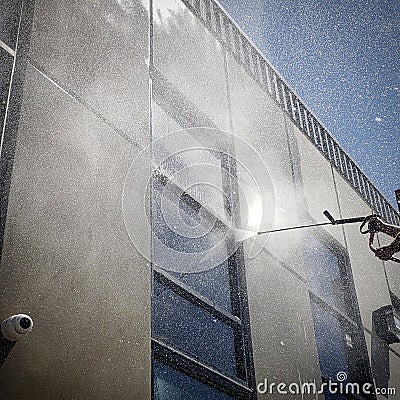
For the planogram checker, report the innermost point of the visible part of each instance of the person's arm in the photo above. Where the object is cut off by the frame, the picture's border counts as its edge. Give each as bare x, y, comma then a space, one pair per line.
386, 252
391, 230
377, 225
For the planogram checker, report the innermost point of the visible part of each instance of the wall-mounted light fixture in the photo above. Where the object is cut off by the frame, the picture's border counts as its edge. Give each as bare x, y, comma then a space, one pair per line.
16, 326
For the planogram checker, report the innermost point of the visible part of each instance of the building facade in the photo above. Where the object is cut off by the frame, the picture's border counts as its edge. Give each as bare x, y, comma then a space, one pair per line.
139, 139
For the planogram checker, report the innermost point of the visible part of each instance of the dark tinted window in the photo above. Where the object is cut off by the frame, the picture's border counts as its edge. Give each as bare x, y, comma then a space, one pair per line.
174, 217
325, 275
337, 323
212, 283
331, 342
190, 329
199, 319
331, 396
170, 384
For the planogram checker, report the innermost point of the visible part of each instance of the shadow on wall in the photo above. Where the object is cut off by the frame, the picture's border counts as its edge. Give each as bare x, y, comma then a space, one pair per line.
384, 333
5, 349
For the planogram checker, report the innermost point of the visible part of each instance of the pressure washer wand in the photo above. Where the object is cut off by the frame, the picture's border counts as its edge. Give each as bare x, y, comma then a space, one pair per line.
332, 221
291, 228
343, 221
365, 221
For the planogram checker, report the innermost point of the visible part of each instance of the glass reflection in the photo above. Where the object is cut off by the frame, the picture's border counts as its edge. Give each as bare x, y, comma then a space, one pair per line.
190, 329
170, 384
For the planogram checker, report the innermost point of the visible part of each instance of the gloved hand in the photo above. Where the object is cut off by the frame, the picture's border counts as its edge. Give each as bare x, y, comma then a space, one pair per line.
375, 224
385, 253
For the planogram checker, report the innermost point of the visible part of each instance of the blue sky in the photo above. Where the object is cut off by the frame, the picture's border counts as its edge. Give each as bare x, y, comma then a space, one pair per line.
342, 58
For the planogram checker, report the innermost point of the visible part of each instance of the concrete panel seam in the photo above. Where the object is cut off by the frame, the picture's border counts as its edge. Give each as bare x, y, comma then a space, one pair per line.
84, 104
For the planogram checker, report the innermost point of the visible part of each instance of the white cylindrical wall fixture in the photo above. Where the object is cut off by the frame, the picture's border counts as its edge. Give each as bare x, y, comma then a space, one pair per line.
16, 326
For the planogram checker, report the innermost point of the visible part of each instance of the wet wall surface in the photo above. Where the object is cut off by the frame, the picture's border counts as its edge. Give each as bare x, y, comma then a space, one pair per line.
67, 258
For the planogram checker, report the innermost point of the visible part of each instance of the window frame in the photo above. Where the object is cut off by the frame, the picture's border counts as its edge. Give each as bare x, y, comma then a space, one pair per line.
351, 319
186, 114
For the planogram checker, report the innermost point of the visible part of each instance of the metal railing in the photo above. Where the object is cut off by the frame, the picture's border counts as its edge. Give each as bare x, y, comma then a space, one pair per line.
251, 58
